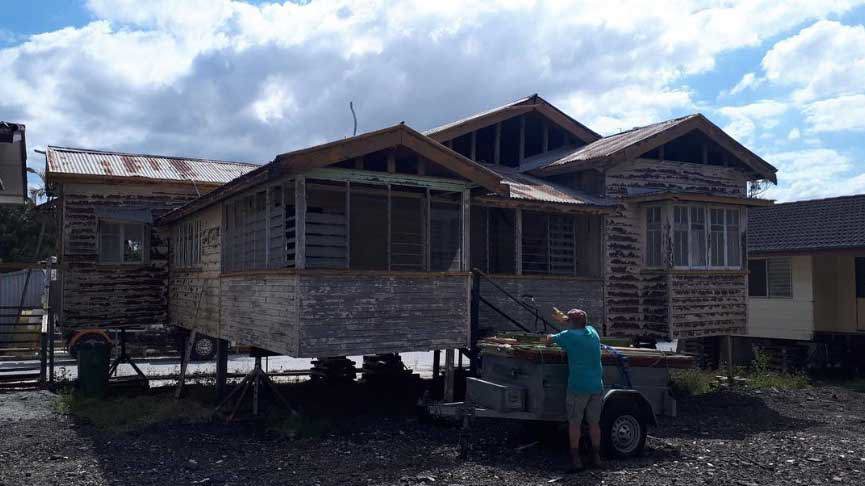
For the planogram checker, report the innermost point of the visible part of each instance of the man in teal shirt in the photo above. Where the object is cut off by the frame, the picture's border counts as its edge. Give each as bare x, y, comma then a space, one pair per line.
585, 381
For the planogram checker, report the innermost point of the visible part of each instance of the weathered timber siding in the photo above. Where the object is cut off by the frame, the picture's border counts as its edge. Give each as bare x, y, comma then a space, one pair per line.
113, 295
261, 310
675, 176
562, 292
654, 302
193, 292
638, 299
708, 304
356, 313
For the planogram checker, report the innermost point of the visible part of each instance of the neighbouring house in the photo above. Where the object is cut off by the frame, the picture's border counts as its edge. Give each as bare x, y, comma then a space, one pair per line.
113, 260
363, 245
807, 281
13, 163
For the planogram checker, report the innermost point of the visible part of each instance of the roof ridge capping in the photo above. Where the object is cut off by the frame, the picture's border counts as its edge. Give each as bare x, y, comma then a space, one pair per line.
612, 149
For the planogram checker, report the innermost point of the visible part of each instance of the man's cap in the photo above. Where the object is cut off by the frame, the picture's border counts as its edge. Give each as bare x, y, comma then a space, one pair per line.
576, 314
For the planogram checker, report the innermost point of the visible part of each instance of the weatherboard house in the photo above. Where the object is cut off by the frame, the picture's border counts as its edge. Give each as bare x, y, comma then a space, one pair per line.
364, 245
807, 282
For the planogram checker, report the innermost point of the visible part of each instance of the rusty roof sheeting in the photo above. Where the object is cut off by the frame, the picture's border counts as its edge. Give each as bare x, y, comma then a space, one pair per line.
608, 148
613, 143
529, 188
100, 163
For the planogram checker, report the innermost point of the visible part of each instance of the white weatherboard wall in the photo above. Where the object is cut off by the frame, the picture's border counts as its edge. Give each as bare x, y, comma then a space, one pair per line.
786, 317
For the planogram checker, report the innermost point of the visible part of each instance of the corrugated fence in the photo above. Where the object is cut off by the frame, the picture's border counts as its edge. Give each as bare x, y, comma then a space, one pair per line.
11, 287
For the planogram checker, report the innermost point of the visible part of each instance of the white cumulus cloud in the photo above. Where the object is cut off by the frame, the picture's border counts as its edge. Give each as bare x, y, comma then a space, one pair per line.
232, 80
814, 173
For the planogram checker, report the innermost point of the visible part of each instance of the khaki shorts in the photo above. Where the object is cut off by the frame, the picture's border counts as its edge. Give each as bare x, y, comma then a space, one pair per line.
590, 405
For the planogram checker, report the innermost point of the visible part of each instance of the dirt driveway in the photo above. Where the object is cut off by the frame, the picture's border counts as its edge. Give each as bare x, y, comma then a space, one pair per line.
813, 436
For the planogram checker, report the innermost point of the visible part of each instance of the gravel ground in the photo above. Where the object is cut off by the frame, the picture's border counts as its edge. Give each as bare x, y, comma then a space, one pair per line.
803, 437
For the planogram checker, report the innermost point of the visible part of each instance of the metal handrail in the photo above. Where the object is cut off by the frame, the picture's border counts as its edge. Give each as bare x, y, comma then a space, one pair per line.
532, 310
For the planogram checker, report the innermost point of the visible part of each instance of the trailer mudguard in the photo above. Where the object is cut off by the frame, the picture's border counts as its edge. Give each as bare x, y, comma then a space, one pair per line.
633, 397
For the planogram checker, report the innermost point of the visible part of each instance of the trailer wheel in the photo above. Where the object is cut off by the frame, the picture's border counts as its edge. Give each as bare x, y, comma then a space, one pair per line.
623, 429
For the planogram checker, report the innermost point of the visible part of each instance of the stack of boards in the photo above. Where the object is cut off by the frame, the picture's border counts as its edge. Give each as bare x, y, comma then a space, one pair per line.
531, 347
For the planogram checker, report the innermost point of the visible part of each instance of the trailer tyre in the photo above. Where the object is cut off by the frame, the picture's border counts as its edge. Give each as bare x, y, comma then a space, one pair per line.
623, 429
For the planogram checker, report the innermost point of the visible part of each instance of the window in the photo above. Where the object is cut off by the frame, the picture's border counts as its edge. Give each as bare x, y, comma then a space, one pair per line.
680, 236
653, 237
716, 237
121, 242
187, 244
697, 238
445, 234
734, 256
549, 244
757, 284
770, 277
690, 237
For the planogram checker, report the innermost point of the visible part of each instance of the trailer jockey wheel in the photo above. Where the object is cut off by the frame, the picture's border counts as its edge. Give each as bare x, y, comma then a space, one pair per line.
623, 429
203, 349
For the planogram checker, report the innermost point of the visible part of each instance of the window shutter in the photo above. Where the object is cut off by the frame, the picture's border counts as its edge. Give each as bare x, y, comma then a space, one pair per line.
779, 277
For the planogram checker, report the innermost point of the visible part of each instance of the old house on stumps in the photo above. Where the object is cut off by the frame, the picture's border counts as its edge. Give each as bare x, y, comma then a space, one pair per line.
113, 259
363, 245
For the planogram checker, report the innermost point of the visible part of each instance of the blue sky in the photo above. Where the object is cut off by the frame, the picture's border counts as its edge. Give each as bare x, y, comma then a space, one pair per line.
245, 81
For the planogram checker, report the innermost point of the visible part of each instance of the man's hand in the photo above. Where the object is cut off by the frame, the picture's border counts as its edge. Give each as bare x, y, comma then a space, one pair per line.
548, 340
559, 316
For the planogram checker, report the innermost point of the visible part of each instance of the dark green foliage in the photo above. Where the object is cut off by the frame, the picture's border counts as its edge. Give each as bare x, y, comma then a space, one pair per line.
19, 233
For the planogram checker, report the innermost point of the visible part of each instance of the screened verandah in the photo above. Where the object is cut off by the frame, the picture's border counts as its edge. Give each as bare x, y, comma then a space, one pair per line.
352, 262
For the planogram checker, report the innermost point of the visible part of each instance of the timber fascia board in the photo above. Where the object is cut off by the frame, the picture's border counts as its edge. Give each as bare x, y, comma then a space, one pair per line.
533, 104
301, 161
759, 166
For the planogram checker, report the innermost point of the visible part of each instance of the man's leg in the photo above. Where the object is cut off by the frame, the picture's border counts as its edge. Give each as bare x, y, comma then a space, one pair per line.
575, 407
593, 416
574, 434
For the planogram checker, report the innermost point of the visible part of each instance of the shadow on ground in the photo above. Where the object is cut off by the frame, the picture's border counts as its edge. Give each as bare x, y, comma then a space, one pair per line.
726, 415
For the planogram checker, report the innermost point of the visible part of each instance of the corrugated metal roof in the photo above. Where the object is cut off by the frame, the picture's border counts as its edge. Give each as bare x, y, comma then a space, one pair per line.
84, 162
820, 224
476, 115
613, 143
529, 188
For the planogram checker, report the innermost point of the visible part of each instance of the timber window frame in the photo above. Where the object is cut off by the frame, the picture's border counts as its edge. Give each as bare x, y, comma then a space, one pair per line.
654, 248
770, 278
188, 243
706, 237
122, 242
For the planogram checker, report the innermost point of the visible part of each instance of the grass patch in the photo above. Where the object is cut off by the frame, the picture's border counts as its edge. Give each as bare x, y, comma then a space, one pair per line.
128, 413
693, 382
760, 376
778, 381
